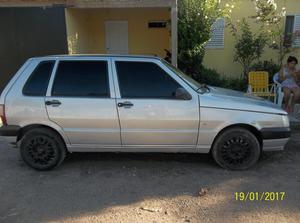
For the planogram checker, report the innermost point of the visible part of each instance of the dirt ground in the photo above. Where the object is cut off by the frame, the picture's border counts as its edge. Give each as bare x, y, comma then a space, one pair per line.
148, 188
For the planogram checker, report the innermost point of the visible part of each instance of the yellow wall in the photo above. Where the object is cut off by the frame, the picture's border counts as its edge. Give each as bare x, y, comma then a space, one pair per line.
86, 30
222, 59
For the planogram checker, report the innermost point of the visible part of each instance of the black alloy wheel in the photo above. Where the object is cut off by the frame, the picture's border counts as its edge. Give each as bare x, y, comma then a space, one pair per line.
42, 149
236, 149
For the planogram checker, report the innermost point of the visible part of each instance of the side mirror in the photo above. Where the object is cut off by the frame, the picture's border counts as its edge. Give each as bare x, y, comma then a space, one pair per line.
182, 94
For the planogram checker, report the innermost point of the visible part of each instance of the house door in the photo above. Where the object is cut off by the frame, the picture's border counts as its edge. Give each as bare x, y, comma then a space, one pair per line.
116, 34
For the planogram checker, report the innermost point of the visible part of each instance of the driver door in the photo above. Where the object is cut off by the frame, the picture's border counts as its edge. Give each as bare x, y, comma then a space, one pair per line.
150, 114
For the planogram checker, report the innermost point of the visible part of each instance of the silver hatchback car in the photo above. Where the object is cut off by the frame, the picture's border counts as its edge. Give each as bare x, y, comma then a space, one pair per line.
93, 103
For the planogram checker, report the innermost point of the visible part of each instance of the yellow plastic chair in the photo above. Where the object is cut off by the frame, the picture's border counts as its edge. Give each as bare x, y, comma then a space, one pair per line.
258, 85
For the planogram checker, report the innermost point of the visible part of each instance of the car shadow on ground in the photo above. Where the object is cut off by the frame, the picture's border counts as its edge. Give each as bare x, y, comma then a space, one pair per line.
86, 184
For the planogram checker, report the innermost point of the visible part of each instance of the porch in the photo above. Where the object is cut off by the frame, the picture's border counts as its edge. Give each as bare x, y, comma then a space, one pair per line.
123, 28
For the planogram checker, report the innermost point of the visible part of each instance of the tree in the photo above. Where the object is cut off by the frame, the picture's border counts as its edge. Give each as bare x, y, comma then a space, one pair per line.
195, 19
271, 19
249, 46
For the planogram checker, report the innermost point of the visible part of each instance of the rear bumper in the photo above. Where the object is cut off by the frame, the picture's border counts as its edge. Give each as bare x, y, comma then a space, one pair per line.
275, 139
9, 130
10, 133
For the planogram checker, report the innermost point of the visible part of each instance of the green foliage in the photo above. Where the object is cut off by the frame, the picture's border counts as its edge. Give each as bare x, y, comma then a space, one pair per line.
195, 18
271, 19
208, 76
268, 13
237, 84
248, 47
213, 78
270, 66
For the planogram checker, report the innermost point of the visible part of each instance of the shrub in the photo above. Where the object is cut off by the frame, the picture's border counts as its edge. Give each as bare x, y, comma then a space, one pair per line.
213, 78
237, 84
270, 66
208, 76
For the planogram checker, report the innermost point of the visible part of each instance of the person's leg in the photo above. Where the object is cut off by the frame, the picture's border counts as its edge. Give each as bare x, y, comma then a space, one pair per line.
287, 95
296, 98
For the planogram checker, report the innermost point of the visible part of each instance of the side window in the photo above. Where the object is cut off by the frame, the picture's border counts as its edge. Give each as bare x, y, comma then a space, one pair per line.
289, 29
37, 83
292, 30
81, 79
145, 80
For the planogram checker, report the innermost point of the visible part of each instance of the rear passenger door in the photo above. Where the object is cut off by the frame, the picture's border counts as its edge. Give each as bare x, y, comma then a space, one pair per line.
80, 99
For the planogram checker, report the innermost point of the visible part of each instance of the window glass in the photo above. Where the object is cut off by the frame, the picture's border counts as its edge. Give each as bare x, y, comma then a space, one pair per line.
81, 79
289, 29
37, 83
193, 83
144, 80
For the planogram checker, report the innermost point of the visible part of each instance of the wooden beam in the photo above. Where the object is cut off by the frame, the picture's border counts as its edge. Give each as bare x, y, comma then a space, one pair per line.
174, 32
31, 3
89, 3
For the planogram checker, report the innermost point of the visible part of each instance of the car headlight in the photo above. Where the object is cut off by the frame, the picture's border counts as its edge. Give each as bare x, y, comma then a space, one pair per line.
286, 121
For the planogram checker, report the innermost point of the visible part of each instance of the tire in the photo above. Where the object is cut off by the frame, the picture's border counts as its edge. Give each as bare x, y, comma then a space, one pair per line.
236, 149
42, 149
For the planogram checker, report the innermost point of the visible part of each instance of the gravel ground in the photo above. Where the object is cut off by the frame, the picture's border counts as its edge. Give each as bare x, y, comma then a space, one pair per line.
148, 188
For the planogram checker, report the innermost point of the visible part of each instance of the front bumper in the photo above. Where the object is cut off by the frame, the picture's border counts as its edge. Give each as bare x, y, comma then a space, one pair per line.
274, 144
275, 133
275, 139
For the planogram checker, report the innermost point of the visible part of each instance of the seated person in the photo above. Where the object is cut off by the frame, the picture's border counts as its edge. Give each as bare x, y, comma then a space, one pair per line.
289, 78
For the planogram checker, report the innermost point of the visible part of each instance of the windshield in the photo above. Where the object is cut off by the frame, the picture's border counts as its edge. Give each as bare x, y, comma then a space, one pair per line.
193, 83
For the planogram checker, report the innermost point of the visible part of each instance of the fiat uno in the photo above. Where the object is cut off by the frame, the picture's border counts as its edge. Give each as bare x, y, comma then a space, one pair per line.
111, 103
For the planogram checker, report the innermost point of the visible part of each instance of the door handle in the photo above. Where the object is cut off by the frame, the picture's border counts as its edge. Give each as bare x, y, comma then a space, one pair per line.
125, 104
53, 102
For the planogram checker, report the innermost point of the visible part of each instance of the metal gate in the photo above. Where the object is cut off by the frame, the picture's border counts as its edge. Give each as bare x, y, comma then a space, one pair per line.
28, 32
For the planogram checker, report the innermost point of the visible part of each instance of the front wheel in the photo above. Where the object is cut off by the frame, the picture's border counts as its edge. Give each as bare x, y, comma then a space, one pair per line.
236, 149
42, 149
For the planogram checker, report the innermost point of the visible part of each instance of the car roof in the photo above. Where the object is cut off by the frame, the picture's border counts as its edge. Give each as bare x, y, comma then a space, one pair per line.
62, 56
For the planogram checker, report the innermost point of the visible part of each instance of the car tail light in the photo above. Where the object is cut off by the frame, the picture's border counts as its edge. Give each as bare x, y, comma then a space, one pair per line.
2, 114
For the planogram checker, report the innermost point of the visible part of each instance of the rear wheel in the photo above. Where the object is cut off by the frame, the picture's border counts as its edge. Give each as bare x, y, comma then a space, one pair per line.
236, 149
42, 149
